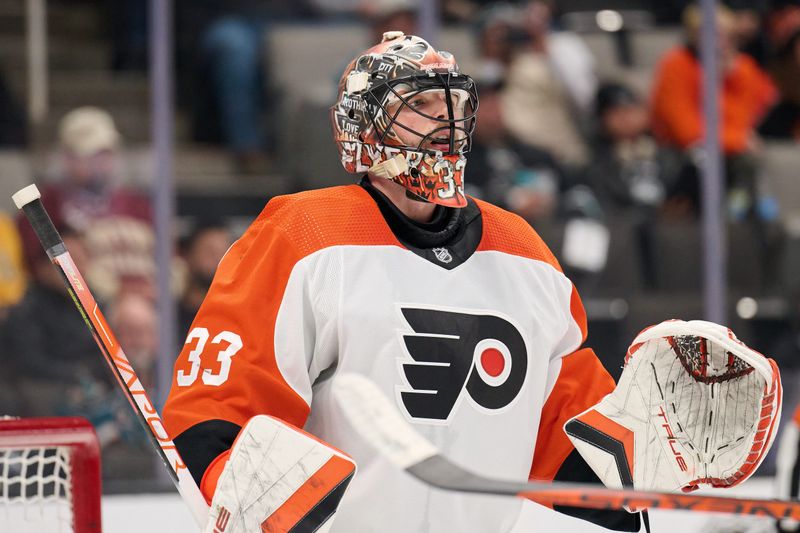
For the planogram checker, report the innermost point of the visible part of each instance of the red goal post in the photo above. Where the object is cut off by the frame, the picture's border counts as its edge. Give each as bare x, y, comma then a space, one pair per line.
49, 475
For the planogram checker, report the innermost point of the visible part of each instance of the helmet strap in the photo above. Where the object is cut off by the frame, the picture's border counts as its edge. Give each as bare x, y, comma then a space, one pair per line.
390, 168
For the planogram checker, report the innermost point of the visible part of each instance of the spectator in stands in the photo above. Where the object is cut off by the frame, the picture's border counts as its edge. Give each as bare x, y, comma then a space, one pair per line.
783, 120
745, 93
628, 170
87, 189
551, 81
134, 319
221, 44
202, 250
45, 339
497, 32
746, 90
56, 365
630, 174
521, 178
12, 269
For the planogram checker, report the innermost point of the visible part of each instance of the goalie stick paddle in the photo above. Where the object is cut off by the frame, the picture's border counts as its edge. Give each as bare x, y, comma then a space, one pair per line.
29, 201
372, 414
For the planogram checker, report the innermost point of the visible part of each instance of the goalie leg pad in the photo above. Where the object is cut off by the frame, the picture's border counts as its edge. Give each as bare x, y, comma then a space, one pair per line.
278, 479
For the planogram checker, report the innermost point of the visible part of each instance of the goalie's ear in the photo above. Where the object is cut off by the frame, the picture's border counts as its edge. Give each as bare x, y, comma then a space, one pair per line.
278, 478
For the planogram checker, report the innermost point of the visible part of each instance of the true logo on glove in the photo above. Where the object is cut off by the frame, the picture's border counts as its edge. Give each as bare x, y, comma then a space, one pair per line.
671, 439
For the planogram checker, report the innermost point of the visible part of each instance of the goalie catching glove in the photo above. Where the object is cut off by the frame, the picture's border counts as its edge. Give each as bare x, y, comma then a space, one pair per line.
277, 479
693, 406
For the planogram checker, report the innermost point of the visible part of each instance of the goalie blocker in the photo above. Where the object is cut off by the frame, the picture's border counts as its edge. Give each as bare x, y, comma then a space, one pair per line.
276, 478
693, 406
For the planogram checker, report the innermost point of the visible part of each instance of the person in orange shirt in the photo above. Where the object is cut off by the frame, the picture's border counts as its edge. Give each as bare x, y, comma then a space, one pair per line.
745, 94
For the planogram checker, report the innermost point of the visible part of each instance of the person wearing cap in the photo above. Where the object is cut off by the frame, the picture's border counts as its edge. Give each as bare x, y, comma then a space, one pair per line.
87, 189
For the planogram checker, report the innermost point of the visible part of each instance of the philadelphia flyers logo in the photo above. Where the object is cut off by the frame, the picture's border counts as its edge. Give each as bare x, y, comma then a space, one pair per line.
454, 353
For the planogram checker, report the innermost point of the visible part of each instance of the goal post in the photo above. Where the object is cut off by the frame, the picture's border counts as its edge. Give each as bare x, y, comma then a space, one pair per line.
49, 475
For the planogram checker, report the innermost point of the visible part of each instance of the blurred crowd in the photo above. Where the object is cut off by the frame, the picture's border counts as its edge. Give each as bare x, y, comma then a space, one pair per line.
53, 366
606, 170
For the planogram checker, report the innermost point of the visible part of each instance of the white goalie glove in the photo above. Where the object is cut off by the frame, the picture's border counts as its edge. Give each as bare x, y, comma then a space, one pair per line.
278, 479
693, 406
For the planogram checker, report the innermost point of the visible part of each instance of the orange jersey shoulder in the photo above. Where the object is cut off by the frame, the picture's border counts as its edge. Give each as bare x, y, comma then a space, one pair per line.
317, 219
506, 232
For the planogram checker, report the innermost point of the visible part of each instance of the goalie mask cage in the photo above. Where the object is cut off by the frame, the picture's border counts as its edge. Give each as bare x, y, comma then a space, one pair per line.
49, 476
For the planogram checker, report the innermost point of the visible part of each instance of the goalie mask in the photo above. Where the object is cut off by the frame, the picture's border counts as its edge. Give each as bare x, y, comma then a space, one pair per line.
694, 406
406, 113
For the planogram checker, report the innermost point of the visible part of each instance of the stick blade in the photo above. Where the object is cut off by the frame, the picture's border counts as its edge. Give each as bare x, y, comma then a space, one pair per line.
379, 422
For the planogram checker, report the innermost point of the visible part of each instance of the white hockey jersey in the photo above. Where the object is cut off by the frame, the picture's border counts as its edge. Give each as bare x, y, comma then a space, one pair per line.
478, 343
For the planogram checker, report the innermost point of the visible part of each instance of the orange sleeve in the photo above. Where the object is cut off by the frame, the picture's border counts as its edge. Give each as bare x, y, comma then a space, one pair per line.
676, 106
582, 382
244, 301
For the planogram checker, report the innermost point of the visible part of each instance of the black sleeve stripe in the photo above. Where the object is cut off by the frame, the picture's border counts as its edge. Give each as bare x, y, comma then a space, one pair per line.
574, 468
202, 443
595, 437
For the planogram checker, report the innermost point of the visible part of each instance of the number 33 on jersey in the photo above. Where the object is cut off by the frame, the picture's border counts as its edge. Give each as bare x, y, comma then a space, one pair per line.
222, 347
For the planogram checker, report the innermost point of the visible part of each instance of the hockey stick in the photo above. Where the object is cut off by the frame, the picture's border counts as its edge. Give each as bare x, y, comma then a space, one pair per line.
380, 423
28, 200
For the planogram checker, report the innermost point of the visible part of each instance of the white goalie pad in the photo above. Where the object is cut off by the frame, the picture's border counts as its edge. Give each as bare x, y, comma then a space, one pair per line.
278, 479
693, 406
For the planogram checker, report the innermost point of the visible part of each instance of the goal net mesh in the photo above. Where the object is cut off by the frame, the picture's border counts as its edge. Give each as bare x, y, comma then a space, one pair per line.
36, 489
49, 476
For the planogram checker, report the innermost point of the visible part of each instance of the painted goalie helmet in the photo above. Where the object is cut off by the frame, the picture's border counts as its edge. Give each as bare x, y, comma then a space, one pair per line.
406, 113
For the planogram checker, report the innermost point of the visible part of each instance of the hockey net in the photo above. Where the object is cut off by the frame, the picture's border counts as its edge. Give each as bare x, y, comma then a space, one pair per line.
49, 476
